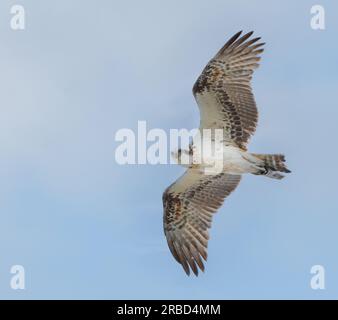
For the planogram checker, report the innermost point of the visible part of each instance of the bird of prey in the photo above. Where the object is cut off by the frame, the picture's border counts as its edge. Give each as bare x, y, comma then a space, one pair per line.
225, 100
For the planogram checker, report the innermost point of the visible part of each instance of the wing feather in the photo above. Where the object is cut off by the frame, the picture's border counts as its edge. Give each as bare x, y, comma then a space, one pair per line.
223, 90
189, 204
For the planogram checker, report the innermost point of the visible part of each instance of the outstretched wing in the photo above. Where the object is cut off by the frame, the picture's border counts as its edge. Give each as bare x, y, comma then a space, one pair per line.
223, 91
189, 204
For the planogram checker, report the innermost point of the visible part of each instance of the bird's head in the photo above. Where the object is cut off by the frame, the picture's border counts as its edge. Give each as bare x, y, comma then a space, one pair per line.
177, 155
179, 159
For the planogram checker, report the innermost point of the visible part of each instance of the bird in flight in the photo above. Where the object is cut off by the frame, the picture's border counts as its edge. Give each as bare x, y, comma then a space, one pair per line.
225, 100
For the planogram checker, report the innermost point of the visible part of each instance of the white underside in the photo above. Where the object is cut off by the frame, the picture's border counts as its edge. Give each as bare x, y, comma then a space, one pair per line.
228, 159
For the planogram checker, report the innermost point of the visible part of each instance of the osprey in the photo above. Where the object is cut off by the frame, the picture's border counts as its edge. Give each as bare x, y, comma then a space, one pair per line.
225, 100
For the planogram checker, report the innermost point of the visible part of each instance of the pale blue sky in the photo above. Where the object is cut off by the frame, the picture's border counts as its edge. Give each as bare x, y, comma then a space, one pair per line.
85, 227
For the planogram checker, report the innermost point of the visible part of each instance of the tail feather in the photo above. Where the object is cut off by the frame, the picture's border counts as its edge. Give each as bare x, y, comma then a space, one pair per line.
273, 174
273, 163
